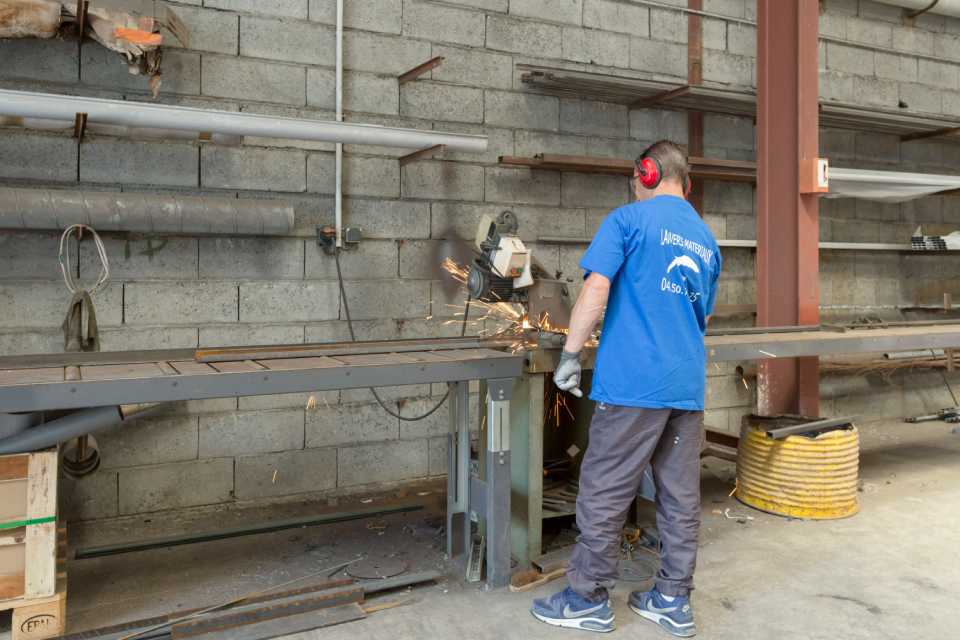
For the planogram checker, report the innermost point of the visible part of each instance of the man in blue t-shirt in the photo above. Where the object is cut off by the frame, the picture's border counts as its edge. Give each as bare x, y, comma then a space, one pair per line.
653, 266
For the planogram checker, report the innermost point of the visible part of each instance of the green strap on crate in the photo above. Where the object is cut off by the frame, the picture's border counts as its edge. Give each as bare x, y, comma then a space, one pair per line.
16, 524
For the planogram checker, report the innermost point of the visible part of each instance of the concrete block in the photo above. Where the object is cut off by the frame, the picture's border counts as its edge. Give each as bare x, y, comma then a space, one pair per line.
869, 32
286, 111
668, 25
914, 40
283, 8
197, 407
833, 25
382, 54
245, 79
432, 101
101, 67
730, 132
52, 60
349, 424
841, 7
287, 40
715, 37
665, 58
521, 110
939, 74
286, 473
655, 124
179, 302
368, 176
88, 498
484, 69
850, 59
372, 259
530, 143
422, 259
920, 97
279, 301
370, 15
445, 24
232, 335
942, 45
892, 66
394, 397
569, 11
253, 168
388, 219
607, 15
951, 102
874, 91
728, 197
128, 338
176, 485
522, 185
149, 441
368, 93
459, 221
593, 118
732, 8
437, 424
321, 173
438, 455
523, 36
170, 258
381, 329
231, 434
836, 86
33, 156
169, 164
442, 181
309, 401
879, 11
371, 299
387, 462
596, 47
24, 256
592, 190
720, 66
36, 305
214, 31
251, 258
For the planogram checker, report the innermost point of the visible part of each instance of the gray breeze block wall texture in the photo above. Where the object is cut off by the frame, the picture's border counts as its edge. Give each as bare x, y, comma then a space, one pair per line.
277, 58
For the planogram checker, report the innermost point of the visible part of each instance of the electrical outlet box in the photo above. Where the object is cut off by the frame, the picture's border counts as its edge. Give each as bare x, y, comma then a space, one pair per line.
814, 175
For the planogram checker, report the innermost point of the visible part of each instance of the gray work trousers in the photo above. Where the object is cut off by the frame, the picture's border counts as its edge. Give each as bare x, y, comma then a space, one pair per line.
623, 441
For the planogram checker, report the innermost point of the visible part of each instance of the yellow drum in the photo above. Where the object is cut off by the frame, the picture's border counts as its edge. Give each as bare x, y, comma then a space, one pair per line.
800, 476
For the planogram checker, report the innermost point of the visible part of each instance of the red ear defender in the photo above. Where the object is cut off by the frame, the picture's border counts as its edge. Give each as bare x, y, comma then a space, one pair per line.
649, 172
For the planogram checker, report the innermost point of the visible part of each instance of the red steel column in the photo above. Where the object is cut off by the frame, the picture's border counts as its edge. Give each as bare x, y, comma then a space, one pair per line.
787, 221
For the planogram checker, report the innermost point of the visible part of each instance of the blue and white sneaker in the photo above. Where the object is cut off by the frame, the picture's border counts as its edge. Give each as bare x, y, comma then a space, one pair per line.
675, 615
571, 610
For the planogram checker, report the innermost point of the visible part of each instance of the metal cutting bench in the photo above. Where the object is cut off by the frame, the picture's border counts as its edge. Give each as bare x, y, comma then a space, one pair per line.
81, 381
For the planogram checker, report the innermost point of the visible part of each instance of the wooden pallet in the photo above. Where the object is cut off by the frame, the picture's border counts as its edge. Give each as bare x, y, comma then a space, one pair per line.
41, 618
32, 548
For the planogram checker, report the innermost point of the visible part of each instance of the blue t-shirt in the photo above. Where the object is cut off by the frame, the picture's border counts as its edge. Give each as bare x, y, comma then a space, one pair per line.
663, 264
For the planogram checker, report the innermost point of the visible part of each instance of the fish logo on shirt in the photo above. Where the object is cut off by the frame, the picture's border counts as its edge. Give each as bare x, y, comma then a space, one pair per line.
684, 261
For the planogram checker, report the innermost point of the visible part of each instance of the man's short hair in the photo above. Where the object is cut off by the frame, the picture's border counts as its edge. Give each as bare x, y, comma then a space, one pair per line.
672, 158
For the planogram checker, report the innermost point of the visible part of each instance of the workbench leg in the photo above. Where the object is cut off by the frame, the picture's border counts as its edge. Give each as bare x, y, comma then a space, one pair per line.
458, 473
526, 451
497, 494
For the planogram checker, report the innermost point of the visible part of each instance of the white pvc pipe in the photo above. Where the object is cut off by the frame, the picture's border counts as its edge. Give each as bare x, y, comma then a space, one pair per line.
943, 7
338, 151
25, 104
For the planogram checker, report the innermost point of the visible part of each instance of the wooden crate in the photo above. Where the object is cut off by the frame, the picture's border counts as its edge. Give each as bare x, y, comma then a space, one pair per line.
28, 532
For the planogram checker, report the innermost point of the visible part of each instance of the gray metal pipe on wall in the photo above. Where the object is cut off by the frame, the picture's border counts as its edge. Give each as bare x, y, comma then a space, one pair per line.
71, 426
39, 209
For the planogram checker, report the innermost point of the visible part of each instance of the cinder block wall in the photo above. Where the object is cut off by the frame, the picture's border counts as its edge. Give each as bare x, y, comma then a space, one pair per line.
277, 58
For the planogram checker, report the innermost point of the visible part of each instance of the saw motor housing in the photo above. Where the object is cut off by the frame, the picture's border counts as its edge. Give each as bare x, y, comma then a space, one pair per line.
503, 270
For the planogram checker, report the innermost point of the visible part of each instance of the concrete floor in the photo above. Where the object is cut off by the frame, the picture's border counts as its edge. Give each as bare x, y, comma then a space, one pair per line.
892, 571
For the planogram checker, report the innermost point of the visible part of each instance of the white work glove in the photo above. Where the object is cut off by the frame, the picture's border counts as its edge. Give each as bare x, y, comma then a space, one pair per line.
567, 375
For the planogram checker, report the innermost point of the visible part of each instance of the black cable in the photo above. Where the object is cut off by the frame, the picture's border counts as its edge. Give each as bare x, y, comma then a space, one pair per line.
353, 338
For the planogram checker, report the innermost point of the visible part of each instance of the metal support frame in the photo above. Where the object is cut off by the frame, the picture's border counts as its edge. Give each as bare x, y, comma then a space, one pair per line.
482, 497
787, 221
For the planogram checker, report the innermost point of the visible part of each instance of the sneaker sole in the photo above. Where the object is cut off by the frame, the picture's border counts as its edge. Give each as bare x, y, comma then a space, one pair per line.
600, 625
665, 623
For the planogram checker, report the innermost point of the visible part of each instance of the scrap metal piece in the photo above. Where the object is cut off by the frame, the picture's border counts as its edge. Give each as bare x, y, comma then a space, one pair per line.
377, 568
